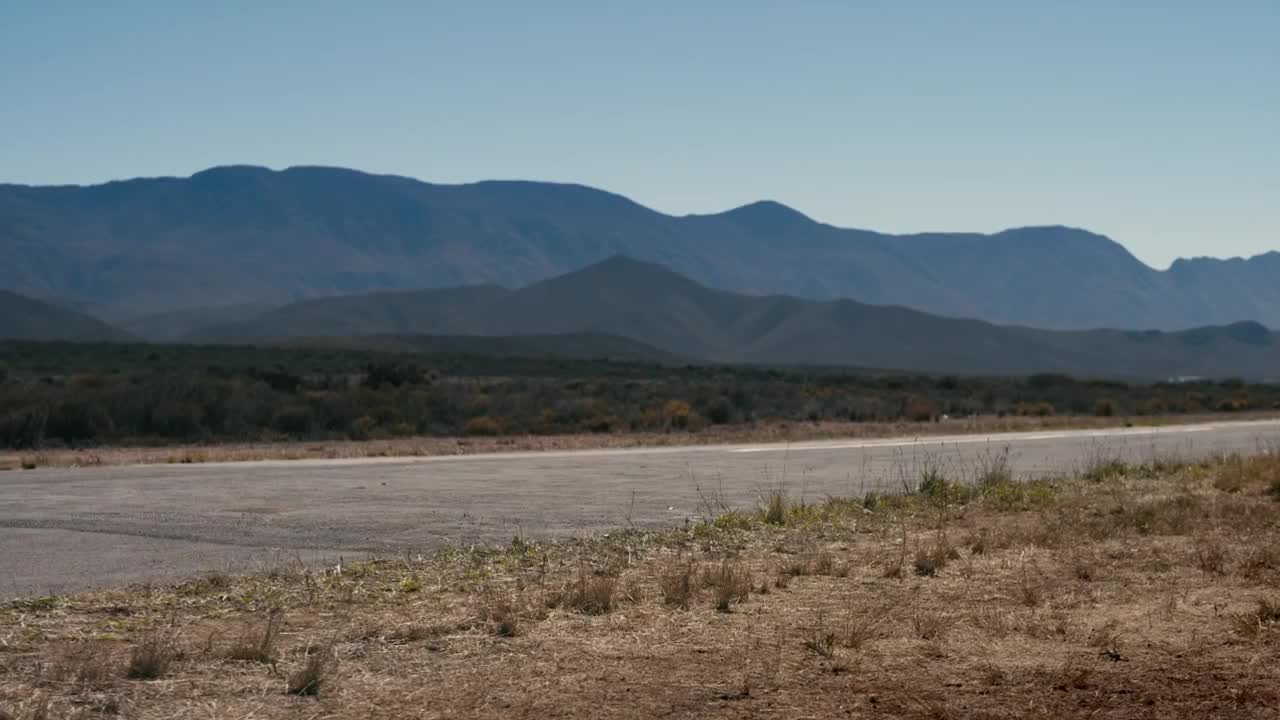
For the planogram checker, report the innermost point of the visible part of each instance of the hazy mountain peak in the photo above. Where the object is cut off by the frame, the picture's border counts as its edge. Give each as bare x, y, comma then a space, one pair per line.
230, 173
767, 216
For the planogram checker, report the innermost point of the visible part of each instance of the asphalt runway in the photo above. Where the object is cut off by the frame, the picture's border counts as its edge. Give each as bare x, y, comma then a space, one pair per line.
64, 530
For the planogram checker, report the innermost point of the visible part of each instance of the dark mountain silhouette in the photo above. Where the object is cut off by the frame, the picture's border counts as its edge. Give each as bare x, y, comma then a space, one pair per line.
24, 318
171, 325
586, 345
655, 306
245, 235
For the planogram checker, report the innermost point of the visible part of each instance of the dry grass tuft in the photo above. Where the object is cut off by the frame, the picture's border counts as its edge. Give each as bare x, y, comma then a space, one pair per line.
776, 507
35, 709
677, 585
592, 594
1084, 566
797, 566
1265, 618
257, 644
86, 663
503, 615
822, 643
1211, 555
731, 581
932, 558
930, 623
316, 673
1260, 560
861, 627
152, 658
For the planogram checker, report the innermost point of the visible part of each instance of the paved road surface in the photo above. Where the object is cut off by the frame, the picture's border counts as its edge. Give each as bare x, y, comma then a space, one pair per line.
63, 530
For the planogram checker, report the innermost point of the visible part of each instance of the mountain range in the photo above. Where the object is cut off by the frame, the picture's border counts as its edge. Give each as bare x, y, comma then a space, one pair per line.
650, 304
24, 318
628, 309
163, 256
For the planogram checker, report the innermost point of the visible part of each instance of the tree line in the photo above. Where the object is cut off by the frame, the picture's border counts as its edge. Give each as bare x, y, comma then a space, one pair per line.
61, 394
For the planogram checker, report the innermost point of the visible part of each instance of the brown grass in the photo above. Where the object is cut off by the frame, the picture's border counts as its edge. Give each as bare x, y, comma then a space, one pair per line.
314, 674
731, 583
151, 658
678, 584
592, 593
1140, 592
256, 642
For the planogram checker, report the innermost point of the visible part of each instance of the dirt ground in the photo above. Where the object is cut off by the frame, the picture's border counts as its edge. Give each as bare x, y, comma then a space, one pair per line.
715, 435
1128, 591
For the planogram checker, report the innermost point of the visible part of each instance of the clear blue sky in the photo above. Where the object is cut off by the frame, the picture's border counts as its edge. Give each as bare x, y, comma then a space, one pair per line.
1156, 122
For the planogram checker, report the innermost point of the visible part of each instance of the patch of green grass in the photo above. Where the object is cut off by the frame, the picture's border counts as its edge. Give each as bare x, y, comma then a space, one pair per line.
735, 520
1106, 469
1010, 495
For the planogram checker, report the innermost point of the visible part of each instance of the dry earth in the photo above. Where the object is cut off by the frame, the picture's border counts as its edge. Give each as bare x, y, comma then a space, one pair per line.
1147, 591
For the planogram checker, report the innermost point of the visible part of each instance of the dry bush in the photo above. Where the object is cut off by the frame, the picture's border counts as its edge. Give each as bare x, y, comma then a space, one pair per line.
1264, 619
979, 542
483, 426
592, 594
932, 558
413, 632
994, 621
503, 615
1032, 587
1084, 566
824, 563
860, 628
677, 585
1106, 637
1229, 480
1102, 467
930, 623
994, 469
782, 579
1260, 560
257, 644
1211, 555
1075, 674
1161, 516
151, 658
797, 566
86, 663
36, 709
822, 643
732, 583
315, 673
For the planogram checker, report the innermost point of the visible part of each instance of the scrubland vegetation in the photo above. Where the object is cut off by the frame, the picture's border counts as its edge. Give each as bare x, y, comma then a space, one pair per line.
1121, 591
66, 395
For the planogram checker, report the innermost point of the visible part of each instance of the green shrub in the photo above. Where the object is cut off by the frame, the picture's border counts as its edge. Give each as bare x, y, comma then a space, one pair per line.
1106, 407
295, 420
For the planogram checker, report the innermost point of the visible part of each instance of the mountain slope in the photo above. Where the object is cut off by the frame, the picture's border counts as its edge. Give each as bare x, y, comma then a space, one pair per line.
23, 318
247, 235
584, 345
655, 306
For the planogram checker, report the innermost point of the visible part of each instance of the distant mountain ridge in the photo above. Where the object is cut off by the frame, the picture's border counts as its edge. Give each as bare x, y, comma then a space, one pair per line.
24, 318
657, 307
247, 236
